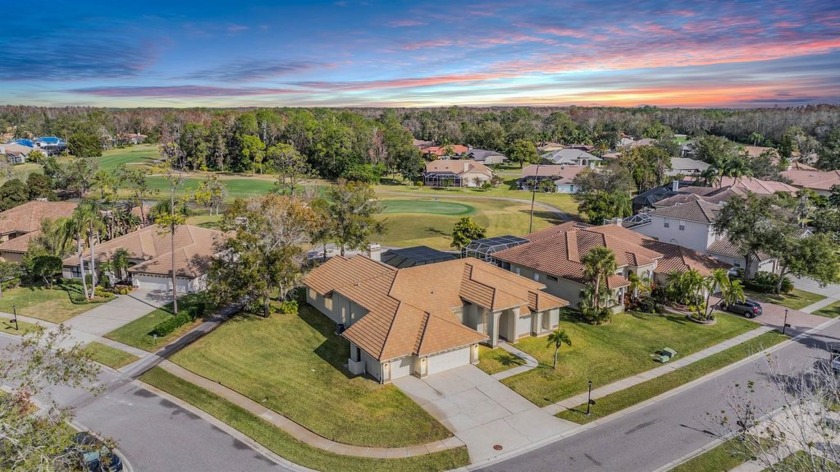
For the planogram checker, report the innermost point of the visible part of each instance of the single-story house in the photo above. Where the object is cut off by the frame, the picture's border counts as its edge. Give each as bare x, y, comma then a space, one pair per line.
563, 176
486, 157
456, 173
426, 319
20, 224
553, 256
150, 257
686, 166
818, 181
15, 153
449, 150
572, 157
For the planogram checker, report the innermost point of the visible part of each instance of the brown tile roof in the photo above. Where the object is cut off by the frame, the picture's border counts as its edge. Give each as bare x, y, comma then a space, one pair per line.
27, 217
411, 310
757, 186
679, 259
725, 247
557, 172
19, 244
440, 151
695, 209
193, 247
813, 179
457, 167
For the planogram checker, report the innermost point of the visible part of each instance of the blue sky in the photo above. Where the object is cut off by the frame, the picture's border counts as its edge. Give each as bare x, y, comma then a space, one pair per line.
420, 53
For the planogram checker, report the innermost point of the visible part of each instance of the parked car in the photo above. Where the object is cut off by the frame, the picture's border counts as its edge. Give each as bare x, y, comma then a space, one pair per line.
748, 308
94, 455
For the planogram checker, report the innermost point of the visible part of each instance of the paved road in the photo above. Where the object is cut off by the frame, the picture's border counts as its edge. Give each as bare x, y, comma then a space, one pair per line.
155, 434
654, 436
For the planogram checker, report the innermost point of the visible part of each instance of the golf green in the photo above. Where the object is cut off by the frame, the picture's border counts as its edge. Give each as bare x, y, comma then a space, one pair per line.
434, 207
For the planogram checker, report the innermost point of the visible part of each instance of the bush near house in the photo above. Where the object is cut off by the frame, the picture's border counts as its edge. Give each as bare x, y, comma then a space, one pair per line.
169, 325
766, 282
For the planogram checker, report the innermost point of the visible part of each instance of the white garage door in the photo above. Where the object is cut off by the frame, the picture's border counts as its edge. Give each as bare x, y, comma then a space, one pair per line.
150, 282
449, 360
400, 368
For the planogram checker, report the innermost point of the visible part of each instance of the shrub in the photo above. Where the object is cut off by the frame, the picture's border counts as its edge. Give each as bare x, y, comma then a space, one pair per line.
124, 290
648, 305
287, 307
169, 325
419, 183
766, 282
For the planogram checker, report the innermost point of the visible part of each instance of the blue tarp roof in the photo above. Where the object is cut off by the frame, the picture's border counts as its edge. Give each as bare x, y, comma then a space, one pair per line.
24, 142
49, 140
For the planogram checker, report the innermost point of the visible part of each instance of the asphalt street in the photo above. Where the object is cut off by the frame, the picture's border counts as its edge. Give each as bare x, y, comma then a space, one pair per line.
155, 434
652, 437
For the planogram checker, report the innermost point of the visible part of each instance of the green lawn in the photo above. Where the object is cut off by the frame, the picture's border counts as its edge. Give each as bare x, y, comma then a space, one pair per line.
136, 333
109, 356
432, 207
130, 156
830, 311
240, 187
613, 351
497, 360
800, 460
8, 327
46, 304
294, 365
281, 443
722, 458
794, 300
644, 391
435, 230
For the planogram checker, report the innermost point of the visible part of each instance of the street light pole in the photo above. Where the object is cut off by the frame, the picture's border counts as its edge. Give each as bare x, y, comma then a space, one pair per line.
14, 315
533, 197
589, 399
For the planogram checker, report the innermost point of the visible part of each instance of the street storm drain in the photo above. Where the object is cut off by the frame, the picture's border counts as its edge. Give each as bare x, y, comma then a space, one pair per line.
497, 447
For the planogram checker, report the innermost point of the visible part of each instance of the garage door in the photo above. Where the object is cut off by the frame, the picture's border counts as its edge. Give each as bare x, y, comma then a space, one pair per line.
523, 325
400, 368
149, 282
449, 360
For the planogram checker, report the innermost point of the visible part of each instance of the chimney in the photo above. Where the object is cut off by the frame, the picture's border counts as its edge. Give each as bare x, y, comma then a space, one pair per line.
375, 252
675, 185
572, 246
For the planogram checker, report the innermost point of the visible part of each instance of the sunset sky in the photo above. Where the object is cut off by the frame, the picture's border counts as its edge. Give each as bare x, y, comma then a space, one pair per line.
420, 53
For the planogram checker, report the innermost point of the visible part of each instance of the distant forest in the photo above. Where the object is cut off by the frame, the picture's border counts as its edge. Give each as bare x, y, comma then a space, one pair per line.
335, 141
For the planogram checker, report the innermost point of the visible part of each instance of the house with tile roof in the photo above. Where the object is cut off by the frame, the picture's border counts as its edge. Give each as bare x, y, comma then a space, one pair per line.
20, 224
818, 181
553, 256
426, 319
572, 157
150, 257
456, 173
15, 153
563, 176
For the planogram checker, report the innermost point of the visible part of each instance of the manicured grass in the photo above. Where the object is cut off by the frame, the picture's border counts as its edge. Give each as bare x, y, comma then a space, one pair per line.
282, 444
434, 230
561, 201
8, 327
130, 156
644, 391
722, 458
497, 360
794, 300
433, 207
109, 356
830, 311
46, 304
241, 187
205, 221
613, 351
294, 364
800, 460
137, 332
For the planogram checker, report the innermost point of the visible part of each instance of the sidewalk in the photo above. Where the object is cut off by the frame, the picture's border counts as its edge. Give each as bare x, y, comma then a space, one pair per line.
299, 432
580, 399
530, 362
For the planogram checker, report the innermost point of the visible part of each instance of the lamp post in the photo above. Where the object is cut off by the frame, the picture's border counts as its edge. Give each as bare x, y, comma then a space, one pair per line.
785, 324
14, 316
589, 401
533, 197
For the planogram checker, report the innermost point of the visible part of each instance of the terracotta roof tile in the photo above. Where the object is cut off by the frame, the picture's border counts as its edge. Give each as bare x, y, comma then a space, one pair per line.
27, 217
694, 208
457, 167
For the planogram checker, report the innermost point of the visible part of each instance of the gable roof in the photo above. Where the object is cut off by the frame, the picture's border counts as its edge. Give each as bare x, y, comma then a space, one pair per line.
757, 186
682, 165
15, 149
410, 311
440, 151
556, 172
569, 156
457, 167
154, 249
27, 217
481, 155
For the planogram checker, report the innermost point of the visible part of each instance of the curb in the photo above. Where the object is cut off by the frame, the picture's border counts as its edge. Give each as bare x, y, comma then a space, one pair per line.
647, 403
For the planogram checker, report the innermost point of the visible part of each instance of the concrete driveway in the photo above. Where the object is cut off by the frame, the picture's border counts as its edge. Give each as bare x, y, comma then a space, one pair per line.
122, 310
487, 416
774, 315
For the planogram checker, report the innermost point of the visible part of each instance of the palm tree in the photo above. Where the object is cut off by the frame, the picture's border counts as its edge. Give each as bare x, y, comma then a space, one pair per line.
638, 285
684, 287
558, 338
119, 262
84, 225
719, 280
737, 168
733, 293
598, 264
710, 176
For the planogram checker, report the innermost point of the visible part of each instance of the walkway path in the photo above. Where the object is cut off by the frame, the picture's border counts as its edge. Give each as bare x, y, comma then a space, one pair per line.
530, 362
299, 432
577, 400
490, 418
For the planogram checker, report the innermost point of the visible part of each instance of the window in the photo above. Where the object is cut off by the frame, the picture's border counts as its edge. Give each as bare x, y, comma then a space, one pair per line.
536, 276
682, 226
517, 271
667, 224
551, 277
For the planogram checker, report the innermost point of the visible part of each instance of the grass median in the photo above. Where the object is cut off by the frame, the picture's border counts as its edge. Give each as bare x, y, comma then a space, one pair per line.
282, 444
644, 391
109, 356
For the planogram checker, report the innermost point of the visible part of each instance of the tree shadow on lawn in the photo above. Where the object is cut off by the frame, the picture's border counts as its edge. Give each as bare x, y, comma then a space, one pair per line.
510, 360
